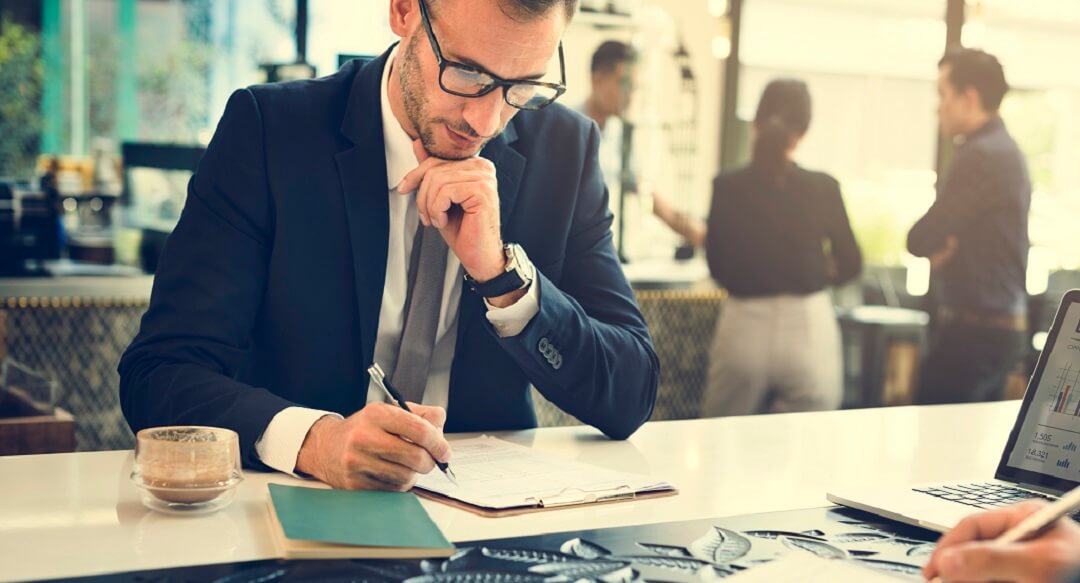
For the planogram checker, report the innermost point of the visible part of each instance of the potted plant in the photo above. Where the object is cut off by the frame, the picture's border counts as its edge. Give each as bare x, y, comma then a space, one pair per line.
21, 75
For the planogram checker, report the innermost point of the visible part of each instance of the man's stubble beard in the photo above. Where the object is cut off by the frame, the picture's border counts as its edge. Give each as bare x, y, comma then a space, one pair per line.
416, 107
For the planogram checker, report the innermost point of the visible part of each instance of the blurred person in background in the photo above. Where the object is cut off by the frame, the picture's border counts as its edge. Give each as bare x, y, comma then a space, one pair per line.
612, 83
976, 237
777, 237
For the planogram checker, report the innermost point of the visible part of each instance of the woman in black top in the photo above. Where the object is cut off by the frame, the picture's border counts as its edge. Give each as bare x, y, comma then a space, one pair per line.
777, 237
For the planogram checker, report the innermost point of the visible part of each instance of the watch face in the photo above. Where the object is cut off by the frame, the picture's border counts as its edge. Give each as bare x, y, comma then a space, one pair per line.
524, 265
520, 260
513, 256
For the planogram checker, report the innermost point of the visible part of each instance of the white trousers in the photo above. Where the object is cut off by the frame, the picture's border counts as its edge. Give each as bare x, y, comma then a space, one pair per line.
774, 355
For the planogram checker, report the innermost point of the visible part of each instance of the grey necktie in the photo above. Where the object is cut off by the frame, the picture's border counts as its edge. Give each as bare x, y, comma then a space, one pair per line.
427, 272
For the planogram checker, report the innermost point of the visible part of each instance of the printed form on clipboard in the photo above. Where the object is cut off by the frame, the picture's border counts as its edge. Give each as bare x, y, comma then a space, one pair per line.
499, 478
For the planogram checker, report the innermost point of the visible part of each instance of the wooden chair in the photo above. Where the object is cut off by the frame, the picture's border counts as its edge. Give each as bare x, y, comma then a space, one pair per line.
27, 426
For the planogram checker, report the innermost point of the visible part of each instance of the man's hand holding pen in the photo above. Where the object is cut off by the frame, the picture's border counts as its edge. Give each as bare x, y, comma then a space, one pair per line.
380, 447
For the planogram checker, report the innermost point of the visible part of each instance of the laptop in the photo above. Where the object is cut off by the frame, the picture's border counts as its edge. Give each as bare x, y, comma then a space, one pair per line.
1041, 458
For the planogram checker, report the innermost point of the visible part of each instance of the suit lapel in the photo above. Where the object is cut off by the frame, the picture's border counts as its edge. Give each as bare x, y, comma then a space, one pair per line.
509, 166
362, 170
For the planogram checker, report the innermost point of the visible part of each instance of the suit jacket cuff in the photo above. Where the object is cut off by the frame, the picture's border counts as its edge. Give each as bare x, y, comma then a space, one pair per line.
280, 443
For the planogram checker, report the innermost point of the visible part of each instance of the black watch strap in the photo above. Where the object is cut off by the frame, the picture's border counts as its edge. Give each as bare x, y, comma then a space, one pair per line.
500, 286
518, 274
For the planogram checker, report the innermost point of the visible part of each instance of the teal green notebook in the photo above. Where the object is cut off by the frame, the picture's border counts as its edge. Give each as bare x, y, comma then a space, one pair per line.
318, 523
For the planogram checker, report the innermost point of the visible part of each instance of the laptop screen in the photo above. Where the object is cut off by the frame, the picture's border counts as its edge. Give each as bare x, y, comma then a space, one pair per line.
1044, 446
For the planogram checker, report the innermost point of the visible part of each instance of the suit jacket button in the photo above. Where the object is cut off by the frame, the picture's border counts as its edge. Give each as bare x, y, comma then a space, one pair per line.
544, 345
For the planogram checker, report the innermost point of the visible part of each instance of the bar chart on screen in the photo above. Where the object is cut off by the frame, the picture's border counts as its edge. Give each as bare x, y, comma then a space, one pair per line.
1064, 399
1050, 432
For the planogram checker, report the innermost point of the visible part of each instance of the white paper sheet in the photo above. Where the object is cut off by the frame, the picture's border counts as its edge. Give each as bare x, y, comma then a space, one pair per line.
497, 474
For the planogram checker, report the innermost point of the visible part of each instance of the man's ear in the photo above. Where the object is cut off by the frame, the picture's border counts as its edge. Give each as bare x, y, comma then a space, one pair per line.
971, 95
599, 77
404, 14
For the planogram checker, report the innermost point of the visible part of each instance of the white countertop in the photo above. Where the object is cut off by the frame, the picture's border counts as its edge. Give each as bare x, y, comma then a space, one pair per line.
77, 514
668, 273
136, 288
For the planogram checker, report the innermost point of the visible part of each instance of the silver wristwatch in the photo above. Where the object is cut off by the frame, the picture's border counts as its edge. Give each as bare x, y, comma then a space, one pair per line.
519, 273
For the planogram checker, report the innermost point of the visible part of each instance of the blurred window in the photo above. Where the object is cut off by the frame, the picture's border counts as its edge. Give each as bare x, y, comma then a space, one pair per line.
153, 70
1037, 43
872, 67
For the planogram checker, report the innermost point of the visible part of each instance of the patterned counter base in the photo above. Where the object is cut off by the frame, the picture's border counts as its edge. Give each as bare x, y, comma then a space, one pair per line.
78, 341
695, 551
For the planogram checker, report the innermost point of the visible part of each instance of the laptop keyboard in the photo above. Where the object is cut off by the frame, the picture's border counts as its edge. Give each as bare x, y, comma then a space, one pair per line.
981, 495
984, 496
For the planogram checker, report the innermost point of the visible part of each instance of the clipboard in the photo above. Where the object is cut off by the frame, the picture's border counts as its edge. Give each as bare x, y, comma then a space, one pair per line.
545, 504
498, 478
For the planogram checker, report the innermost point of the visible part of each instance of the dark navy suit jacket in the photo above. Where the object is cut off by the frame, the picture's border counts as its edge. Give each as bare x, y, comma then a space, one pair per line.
983, 201
268, 291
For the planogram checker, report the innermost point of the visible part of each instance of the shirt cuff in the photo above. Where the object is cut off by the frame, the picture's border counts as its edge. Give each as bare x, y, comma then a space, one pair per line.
511, 320
280, 443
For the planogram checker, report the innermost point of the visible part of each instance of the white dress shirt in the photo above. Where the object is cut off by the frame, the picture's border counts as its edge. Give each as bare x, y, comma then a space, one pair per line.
280, 443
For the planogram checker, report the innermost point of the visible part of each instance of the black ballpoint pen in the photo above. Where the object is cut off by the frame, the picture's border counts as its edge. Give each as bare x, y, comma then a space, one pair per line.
379, 377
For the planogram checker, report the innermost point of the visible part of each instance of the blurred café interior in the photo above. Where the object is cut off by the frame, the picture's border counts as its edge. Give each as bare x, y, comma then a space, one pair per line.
107, 106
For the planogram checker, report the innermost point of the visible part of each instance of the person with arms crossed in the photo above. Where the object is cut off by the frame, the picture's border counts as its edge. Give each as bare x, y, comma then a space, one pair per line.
976, 237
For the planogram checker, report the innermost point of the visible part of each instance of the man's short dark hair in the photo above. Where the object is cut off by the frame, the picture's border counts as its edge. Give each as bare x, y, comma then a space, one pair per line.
610, 54
536, 8
978, 69
527, 10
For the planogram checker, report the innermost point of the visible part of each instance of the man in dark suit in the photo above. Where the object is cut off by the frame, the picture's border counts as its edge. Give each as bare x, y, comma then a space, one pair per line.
976, 238
398, 211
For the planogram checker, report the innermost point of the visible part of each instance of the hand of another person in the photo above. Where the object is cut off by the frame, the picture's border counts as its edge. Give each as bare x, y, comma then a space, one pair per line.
380, 447
693, 230
663, 208
968, 553
942, 257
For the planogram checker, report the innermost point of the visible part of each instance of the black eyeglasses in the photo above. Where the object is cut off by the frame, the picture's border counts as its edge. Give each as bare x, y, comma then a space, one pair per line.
469, 81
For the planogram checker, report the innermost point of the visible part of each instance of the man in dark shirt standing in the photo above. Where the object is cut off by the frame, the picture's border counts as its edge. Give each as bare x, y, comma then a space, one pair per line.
976, 237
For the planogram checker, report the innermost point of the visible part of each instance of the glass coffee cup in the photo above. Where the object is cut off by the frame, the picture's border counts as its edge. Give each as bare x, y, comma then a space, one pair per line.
187, 469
